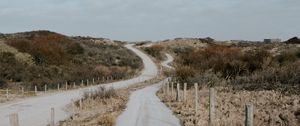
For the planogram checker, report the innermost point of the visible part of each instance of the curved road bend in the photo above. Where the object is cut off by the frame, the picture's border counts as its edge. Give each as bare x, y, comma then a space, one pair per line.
36, 111
145, 108
169, 60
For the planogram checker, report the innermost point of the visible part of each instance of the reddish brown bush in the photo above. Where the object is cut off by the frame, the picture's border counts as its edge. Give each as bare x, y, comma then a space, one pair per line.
184, 72
155, 51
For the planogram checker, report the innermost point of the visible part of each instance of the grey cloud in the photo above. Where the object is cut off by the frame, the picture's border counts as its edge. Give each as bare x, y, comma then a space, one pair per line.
155, 19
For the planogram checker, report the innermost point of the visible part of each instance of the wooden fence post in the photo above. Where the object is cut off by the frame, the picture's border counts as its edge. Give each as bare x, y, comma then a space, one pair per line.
249, 115
178, 93
58, 87
66, 85
45, 88
184, 91
7, 93
196, 98
93, 81
14, 119
52, 122
80, 103
22, 91
172, 89
168, 88
74, 84
211, 106
87, 82
35, 90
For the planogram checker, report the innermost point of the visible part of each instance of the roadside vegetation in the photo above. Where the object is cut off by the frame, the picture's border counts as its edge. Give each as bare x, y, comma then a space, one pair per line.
240, 65
266, 75
256, 67
101, 107
44, 57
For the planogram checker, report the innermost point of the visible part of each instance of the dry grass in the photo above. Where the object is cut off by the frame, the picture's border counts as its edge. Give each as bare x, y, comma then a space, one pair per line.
102, 107
271, 108
100, 112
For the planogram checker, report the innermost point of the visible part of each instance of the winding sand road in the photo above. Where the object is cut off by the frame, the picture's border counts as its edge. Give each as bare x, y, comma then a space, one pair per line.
36, 111
168, 61
145, 108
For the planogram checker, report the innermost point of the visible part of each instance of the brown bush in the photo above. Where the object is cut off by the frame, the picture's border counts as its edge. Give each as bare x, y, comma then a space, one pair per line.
155, 51
44, 52
100, 94
254, 69
184, 72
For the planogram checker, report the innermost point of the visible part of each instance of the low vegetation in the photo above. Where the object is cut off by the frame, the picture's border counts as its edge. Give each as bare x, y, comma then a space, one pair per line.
250, 68
44, 57
102, 106
155, 51
271, 108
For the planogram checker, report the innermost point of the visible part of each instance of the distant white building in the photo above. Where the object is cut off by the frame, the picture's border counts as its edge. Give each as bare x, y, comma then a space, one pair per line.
276, 40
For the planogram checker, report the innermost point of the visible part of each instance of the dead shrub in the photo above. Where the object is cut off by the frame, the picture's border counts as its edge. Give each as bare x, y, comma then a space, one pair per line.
100, 94
155, 51
106, 121
184, 72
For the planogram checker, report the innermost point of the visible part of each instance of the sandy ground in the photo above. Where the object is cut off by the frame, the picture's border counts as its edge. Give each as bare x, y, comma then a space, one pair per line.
36, 111
271, 108
145, 109
168, 61
103, 112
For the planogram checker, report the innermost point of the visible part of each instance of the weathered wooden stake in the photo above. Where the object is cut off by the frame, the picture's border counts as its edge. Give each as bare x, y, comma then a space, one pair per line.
81, 83
74, 84
58, 87
7, 94
249, 115
178, 93
35, 90
184, 91
211, 106
52, 122
66, 85
93, 81
196, 98
45, 88
14, 119
22, 90
168, 88
87, 82
80, 103
172, 89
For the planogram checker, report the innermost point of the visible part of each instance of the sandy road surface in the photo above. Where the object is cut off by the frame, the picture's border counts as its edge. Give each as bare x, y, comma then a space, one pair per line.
145, 108
168, 61
36, 111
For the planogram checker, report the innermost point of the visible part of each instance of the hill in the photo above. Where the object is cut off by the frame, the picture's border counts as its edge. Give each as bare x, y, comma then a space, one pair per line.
45, 57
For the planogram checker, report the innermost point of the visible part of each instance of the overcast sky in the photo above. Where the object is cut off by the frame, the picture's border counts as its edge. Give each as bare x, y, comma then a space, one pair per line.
134, 20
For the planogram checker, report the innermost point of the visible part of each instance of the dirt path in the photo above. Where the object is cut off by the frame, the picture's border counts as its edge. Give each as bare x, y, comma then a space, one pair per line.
168, 61
36, 111
145, 109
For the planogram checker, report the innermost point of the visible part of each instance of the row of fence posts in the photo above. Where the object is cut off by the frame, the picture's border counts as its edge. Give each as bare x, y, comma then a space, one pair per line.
166, 89
14, 119
67, 86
